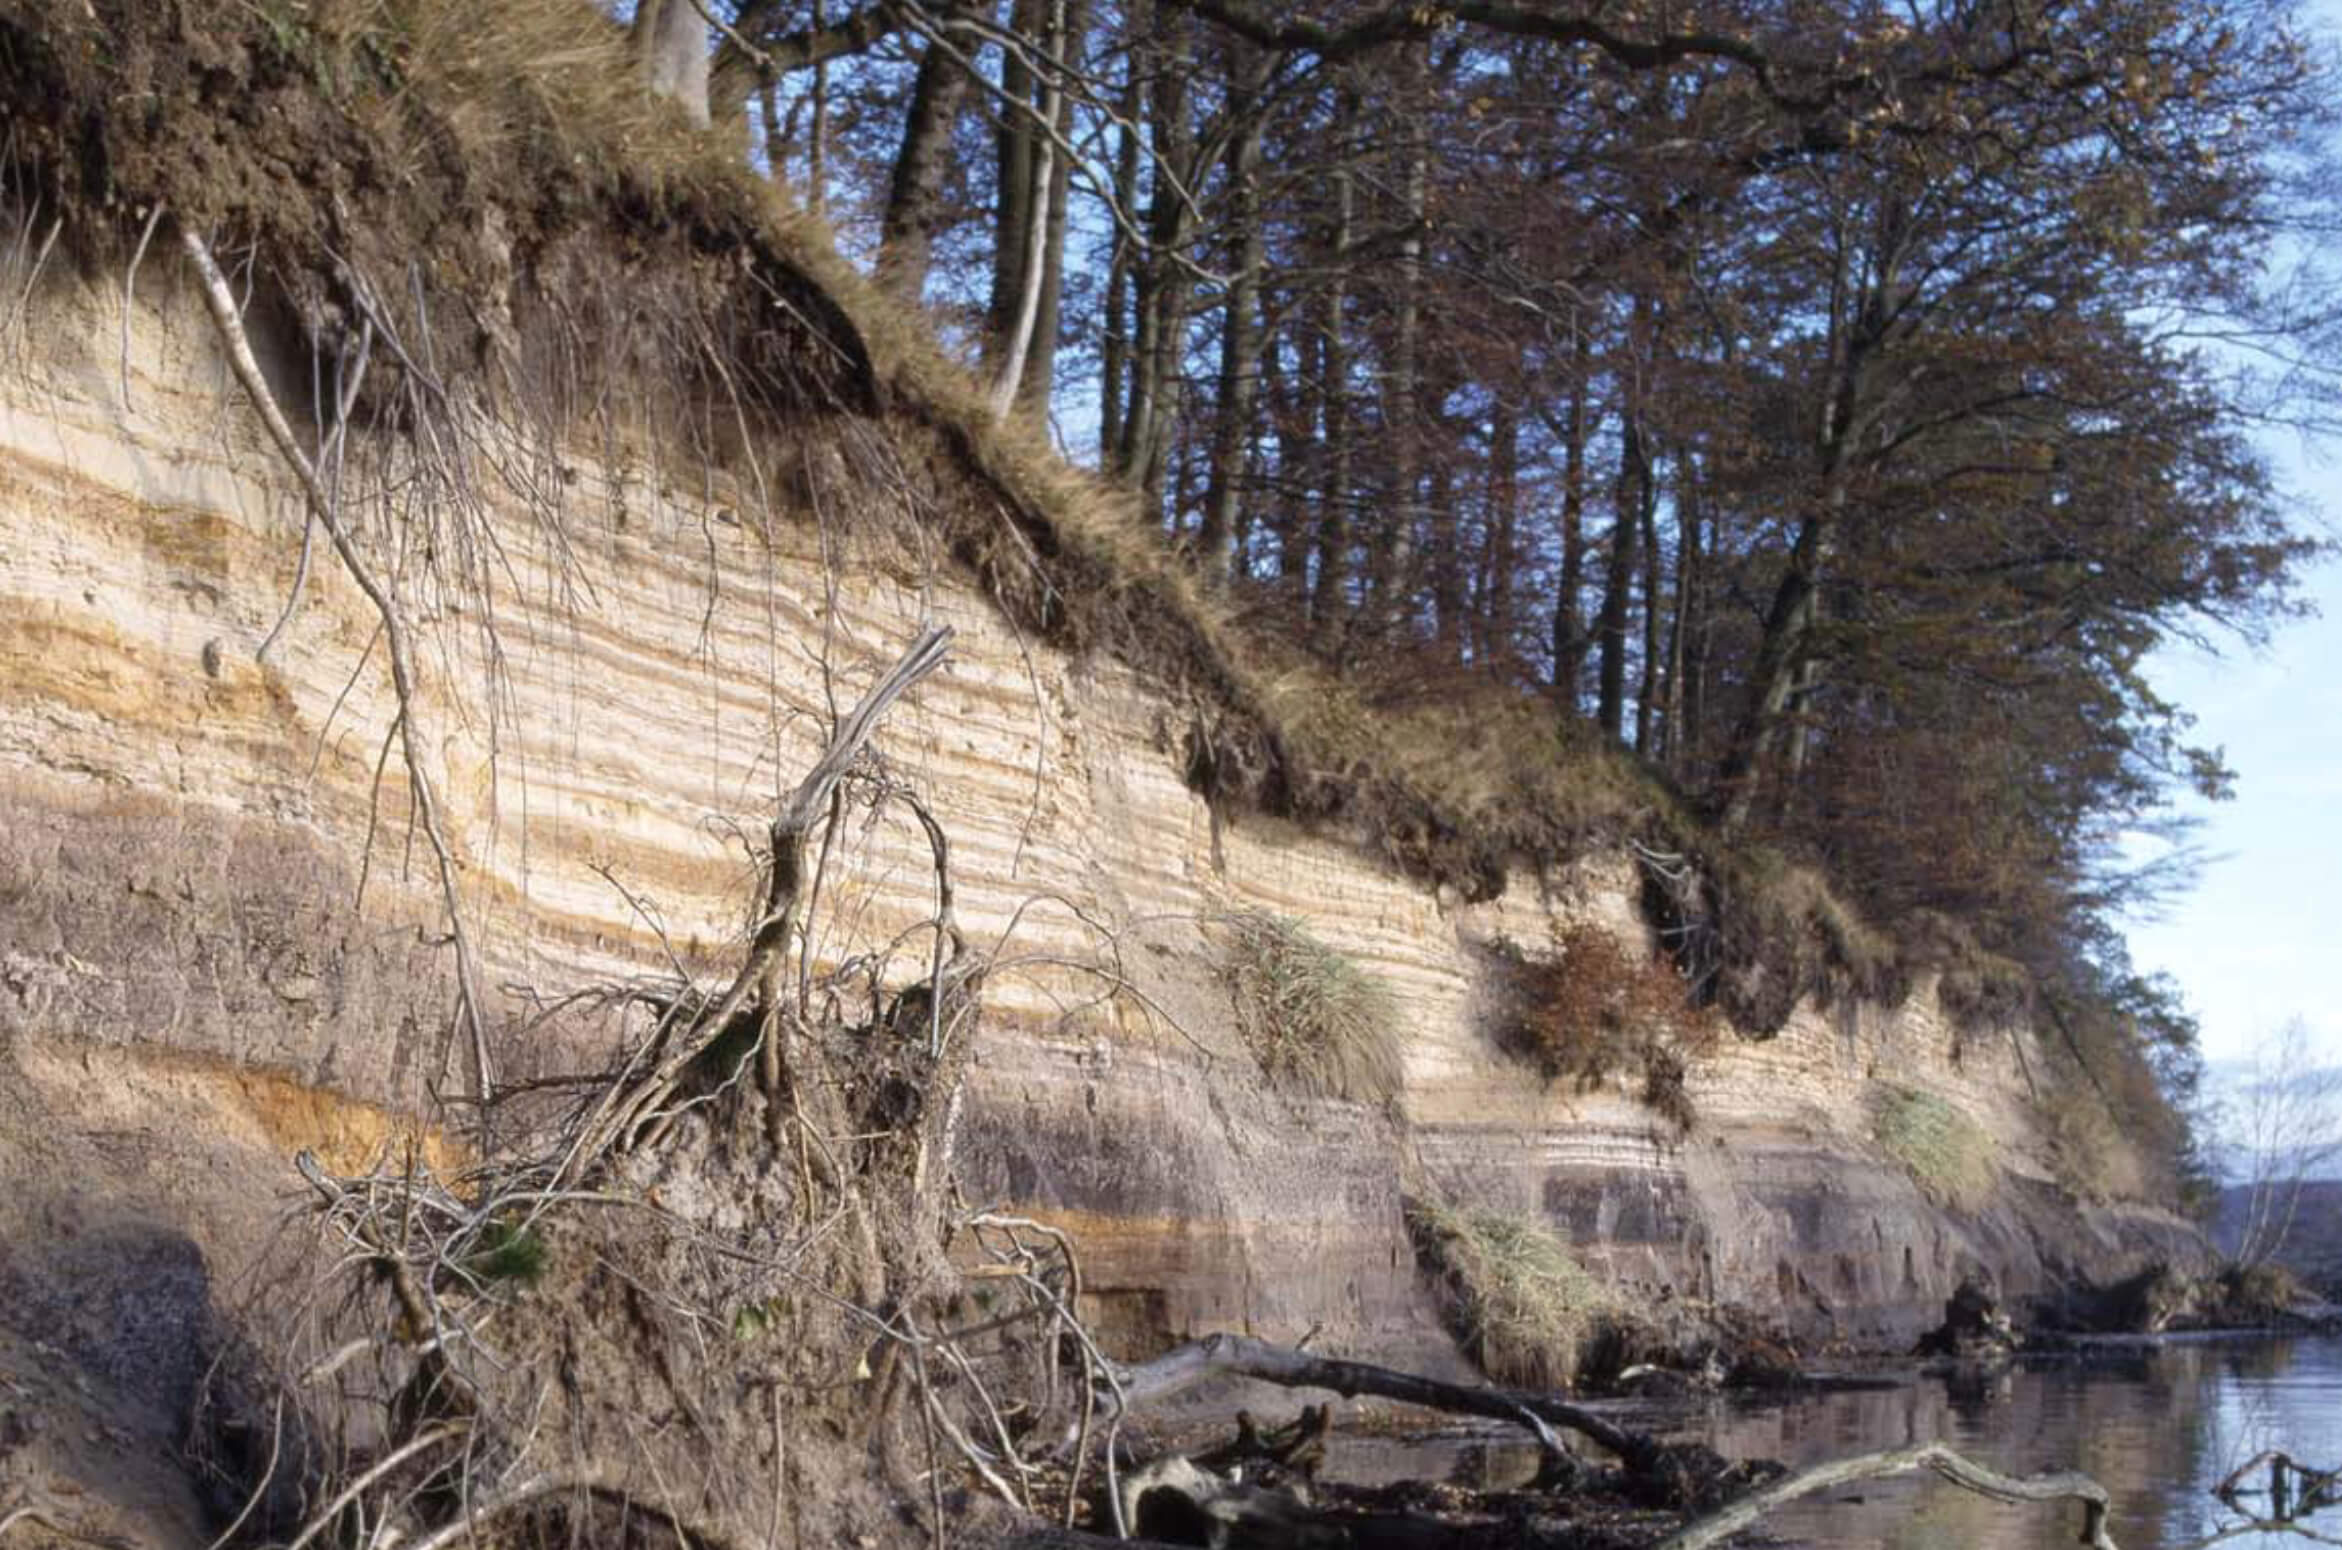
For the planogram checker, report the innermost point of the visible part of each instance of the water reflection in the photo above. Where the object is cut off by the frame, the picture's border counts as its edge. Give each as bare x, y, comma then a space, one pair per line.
2157, 1426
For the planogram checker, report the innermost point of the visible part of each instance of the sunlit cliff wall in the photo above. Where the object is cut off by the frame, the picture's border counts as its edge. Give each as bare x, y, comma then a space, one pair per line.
207, 863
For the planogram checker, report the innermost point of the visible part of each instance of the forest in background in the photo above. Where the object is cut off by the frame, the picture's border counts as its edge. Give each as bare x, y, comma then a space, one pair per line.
1832, 403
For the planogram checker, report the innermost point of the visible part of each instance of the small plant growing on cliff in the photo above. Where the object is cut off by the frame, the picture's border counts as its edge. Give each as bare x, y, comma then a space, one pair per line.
505, 1251
1595, 1010
1519, 1302
1947, 1153
1317, 1022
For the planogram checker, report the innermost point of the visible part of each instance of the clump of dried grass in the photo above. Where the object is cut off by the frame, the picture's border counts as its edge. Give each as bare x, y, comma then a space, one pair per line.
1316, 1021
1451, 771
1595, 1010
1519, 1302
1946, 1152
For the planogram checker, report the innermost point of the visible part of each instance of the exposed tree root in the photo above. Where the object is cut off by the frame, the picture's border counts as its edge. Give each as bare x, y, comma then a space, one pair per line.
627, 1109
470, 1013
664, 1284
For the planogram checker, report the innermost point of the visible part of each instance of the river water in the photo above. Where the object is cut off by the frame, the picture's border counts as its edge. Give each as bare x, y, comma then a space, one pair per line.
2157, 1425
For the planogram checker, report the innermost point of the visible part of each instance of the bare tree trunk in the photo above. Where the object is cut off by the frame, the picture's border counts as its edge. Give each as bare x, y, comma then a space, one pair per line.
1443, 557
1499, 584
1114, 368
768, 108
1569, 631
1809, 680
1632, 491
1329, 596
1392, 556
1779, 666
1153, 418
1281, 387
1040, 375
671, 50
1654, 610
1010, 386
914, 198
1013, 163
1678, 728
1240, 333
817, 134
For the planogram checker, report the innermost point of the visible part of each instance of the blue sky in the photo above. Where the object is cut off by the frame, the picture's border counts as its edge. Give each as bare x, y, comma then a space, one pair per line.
2254, 944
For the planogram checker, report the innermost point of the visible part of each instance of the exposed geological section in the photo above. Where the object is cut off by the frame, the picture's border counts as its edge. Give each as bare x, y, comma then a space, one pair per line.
208, 864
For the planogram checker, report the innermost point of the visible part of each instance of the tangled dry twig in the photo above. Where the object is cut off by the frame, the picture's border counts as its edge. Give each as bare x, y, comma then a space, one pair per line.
758, 1190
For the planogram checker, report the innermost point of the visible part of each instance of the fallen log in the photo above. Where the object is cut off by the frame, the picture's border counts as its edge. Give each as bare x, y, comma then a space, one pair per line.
1242, 1356
1961, 1471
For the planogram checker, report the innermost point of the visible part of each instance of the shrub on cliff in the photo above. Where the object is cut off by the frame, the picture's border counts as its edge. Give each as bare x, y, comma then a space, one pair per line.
1947, 1153
1317, 1022
1518, 1301
1595, 1010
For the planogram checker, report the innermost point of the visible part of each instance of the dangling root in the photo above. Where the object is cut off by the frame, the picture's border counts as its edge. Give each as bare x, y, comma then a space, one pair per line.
221, 300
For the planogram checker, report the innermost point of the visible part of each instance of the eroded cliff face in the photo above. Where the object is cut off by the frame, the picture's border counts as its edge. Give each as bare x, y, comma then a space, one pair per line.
207, 866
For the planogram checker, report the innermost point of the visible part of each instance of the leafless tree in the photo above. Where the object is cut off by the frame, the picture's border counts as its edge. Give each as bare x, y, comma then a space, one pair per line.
2286, 1129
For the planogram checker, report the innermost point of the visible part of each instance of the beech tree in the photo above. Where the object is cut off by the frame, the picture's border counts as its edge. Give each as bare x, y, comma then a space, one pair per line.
1816, 403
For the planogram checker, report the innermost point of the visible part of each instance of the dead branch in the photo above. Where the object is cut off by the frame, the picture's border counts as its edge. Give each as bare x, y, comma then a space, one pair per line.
2294, 1489
430, 1438
229, 321
1243, 1356
1958, 1469
628, 1107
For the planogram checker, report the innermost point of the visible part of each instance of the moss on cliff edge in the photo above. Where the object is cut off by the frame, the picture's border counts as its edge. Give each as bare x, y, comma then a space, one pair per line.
1948, 1156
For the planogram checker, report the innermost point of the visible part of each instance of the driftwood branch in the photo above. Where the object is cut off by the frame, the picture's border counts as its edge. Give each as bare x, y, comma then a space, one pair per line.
2295, 1488
1961, 1471
1243, 1356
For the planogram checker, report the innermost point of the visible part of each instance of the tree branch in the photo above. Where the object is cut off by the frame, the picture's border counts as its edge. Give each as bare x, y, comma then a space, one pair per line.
745, 56
1959, 1470
1243, 1356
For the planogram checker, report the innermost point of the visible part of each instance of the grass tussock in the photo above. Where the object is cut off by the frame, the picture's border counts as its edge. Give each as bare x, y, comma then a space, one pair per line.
1786, 934
1518, 1301
2262, 1293
1596, 1010
1317, 1022
1946, 1152
506, 1251
1449, 772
